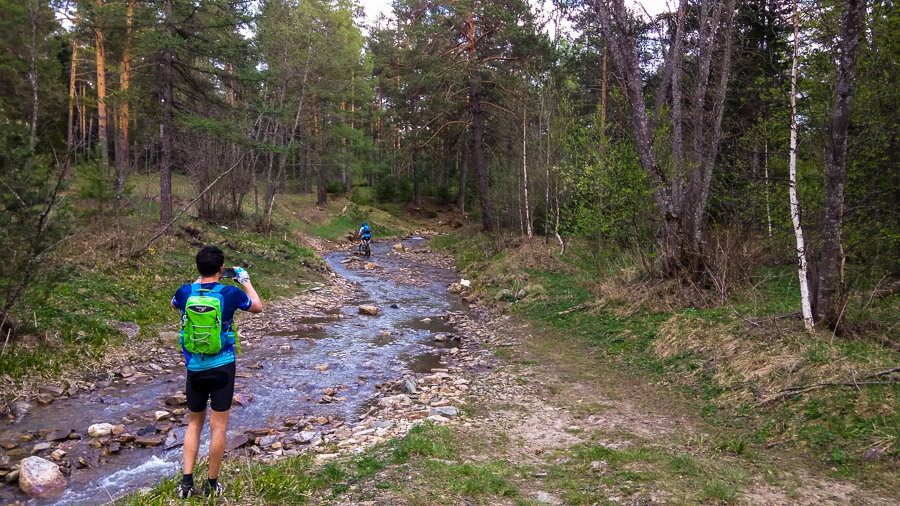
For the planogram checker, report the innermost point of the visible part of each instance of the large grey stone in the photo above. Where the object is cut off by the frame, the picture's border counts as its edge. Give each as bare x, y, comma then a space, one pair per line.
41, 478
20, 409
449, 411
306, 436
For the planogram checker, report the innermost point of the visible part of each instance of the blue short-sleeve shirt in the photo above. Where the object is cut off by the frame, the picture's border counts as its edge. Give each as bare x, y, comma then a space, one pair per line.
235, 299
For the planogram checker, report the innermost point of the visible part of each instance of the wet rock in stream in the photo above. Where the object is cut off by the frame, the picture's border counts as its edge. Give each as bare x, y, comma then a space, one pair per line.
41, 478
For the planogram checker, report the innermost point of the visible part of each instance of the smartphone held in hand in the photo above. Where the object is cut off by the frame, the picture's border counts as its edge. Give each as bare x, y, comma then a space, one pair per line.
229, 273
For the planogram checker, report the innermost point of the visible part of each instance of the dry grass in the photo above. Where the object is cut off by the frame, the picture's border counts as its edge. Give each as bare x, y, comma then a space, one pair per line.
752, 364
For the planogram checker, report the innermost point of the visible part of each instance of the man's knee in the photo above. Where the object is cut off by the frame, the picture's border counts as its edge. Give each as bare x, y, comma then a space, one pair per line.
218, 420
196, 418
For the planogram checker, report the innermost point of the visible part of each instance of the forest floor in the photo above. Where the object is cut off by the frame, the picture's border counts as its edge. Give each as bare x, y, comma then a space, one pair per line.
546, 418
571, 387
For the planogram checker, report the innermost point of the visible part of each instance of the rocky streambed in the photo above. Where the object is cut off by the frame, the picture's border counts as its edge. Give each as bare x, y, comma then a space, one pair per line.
319, 373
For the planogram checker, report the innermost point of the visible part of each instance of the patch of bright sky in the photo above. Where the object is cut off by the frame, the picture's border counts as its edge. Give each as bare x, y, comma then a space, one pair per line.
375, 7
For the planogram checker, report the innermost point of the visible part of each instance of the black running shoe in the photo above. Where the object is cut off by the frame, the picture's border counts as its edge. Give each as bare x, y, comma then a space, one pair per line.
208, 491
184, 490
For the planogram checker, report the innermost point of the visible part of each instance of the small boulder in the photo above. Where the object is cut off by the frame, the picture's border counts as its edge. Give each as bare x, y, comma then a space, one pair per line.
236, 441
58, 435
241, 399
455, 288
448, 411
440, 337
306, 436
150, 440
160, 415
177, 399
175, 437
521, 294
409, 386
872, 454
44, 398
39, 447
100, 429
12, 476
51, 389
20, 409
41, 478
169, 337
370, 266
368, 310
398, 247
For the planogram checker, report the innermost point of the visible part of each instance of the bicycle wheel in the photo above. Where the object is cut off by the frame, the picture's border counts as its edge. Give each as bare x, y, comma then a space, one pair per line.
368, 251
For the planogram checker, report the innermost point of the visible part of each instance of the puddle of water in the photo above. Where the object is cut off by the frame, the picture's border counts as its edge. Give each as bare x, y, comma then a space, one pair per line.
285, 381
423, 362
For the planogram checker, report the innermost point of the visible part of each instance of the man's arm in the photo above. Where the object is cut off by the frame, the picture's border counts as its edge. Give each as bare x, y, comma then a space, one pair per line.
243, 278
255, 303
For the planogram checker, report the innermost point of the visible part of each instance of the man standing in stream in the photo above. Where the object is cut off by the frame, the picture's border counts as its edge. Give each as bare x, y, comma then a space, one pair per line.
209, 343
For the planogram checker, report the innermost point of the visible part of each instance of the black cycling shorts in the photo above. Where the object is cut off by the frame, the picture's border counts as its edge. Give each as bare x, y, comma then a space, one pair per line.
215, 385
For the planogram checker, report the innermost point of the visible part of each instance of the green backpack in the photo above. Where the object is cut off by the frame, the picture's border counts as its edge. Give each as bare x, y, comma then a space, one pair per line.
201, 322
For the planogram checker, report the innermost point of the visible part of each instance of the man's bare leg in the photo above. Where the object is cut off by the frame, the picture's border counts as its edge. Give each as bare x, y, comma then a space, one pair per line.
192, 439
218, 425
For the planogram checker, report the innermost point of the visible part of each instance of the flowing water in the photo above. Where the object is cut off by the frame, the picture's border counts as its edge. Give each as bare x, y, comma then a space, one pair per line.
284, 380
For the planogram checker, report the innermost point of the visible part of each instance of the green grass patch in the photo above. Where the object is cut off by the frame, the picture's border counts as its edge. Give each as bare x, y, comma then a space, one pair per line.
424, 440
689, 347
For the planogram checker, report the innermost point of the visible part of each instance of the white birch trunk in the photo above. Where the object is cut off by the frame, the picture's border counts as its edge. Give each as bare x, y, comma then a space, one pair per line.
766, 169
792, 189
525, 177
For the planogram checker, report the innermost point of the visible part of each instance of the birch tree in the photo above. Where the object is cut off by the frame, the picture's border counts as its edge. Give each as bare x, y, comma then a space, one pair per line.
805, 304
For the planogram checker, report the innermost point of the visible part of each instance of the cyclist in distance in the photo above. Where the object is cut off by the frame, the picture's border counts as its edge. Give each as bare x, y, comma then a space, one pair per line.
365, 236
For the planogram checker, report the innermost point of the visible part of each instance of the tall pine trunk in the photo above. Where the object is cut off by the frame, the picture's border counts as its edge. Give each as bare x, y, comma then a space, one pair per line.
831, 259
34, 11
123, 117
168, 123
102, 119
70, 128
463, 176
487, 213
321, 190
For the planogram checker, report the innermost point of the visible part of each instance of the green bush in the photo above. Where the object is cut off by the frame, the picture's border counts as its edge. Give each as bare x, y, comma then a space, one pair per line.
334, 186
360, 196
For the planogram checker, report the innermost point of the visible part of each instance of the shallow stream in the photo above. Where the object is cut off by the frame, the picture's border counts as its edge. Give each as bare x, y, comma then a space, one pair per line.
280, 372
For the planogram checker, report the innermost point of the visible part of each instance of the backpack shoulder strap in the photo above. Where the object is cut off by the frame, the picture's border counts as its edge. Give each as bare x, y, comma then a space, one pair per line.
218, 288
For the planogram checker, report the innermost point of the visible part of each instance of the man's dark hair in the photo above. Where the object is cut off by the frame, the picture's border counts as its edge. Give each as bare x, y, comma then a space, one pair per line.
209, 260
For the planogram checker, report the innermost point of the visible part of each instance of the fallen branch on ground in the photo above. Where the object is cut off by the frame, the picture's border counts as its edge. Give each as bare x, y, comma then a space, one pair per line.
888, 343
579, 307
800, 389
146, 247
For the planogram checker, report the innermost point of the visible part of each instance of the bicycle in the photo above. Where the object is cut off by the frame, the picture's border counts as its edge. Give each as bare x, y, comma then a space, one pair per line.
364, 248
